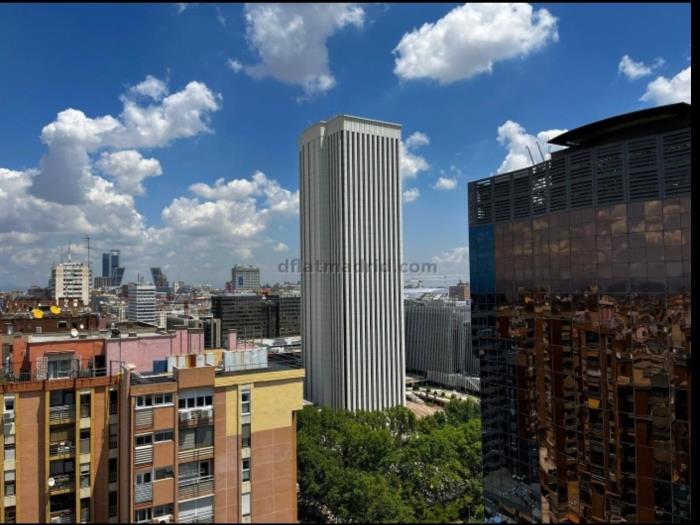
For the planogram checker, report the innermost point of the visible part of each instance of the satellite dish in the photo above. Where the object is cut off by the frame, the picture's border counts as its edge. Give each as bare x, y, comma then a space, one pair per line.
73, 332
82, 326
55, 309
38, 314
52, 482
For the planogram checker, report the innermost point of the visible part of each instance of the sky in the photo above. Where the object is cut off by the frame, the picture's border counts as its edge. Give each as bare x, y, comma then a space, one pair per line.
169, 131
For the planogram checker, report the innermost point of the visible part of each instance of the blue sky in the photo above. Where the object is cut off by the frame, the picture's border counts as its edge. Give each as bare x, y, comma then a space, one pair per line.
261, 74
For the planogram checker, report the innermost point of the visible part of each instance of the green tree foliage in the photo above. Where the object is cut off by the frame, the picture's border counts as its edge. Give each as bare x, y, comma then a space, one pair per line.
389, 467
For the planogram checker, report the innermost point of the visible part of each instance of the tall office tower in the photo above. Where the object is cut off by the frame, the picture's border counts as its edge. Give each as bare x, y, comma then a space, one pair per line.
142, 303
106, 265
245, 278
438, 340
252, 316
117, 275
160, 280
580, 276
111, 271
70, 280
351, 252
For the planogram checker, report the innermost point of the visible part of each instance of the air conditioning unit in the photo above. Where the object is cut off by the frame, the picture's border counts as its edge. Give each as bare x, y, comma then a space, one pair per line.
186, 416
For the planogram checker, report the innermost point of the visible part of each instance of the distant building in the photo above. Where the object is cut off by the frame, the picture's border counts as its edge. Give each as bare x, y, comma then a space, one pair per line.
112, 273
460, 291
142, 303
70, 281
438, 338
160, 281
352, 313
102, 282
254, 317
245, 278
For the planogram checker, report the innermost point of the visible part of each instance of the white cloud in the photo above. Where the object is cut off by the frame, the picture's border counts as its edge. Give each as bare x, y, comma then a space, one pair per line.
454, 256
129, 169
291, 41
667, 91
411, 194
468, 40
634, 70
280, 247
514, 137
234, 64
411, 164
65, 170
446, 183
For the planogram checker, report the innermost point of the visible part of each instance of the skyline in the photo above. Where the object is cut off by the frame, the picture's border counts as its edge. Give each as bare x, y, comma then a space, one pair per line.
186, 143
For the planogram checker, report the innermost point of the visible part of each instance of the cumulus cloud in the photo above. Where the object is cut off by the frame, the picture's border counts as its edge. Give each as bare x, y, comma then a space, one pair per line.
65, 170
234, 64
411, 194
468, 40
517, 141
634, 70
667, 91
410, 163
446, 183
129, 169
291, 41
456, 255
280, 247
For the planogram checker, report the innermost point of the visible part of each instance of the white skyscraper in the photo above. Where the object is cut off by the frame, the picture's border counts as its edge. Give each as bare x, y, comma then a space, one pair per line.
142, 303
69, 281
351, 254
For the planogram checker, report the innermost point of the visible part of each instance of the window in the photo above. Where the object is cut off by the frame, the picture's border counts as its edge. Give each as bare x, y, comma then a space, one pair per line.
245, 435
112, 469
112, 504
154, 400
142, 515
190, 438
195, 470
113, 436
9, 403
60, 367
10, 483
163, 435
245, 504
62, 397
113, 402
85, 441
143, 478
85, 404
10, 515
164, 473
9, 450
57, 468
144, 440
245, 402
195, 399
246, 469
84, 475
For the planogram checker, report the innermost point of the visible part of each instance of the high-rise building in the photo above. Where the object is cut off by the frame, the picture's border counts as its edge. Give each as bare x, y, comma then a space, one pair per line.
175, 434
245, 278
351, 252
160, 280
254, 317
70, 281
438, 339
142, 303
112, 273
580, 277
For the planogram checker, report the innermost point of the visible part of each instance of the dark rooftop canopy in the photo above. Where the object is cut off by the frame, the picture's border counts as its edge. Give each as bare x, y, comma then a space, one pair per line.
634, 123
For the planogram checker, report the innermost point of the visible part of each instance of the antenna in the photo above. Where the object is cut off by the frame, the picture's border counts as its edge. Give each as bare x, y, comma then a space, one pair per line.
538, 147
69, 260
87, 238
529, 153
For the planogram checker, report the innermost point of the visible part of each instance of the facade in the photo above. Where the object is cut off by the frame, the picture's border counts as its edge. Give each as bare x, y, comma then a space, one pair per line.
245, 278
255, 317
142, 303
71, 281
580, 276
206, 440
351, 253
438, 338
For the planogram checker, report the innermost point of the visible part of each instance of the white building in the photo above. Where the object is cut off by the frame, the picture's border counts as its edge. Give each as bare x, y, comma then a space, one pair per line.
142, 303
71, 281
245, 278
351, 253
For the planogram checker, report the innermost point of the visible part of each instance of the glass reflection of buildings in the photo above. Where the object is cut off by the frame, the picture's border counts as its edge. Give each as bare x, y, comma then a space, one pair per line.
580, 276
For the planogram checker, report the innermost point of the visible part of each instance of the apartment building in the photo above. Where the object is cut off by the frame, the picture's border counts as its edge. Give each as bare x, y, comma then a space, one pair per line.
580, 277
209, 436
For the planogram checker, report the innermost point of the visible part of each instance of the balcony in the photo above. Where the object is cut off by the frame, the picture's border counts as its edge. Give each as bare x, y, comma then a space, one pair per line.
194, 454
62, 483
61, 448
143, 492
191, 417
61, 414
197, 516
194, 488
63, 516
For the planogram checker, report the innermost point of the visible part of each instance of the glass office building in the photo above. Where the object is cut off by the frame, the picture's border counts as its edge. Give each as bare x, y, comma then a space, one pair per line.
580, 280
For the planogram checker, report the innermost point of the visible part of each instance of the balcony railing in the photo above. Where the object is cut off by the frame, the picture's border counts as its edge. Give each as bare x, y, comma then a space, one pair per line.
62, 482
195, 453
197, 516
85, 516
63, 516
196, 416
195, 487
61, 448
85, 446
143, 492
61, 414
